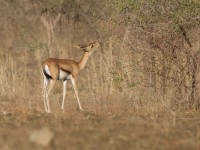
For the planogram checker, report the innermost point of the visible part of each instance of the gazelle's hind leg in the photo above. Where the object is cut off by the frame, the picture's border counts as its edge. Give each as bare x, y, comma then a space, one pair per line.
76, 92
64, 93
44, 92
51, 84
44, 89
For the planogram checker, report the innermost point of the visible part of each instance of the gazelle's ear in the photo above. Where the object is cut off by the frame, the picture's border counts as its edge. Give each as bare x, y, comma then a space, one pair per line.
80, 46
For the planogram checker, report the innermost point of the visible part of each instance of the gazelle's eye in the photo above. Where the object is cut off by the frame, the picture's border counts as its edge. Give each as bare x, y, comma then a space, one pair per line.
92, 46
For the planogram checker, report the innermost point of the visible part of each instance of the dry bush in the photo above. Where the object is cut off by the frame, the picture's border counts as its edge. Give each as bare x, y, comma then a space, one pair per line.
160, 48
148, 57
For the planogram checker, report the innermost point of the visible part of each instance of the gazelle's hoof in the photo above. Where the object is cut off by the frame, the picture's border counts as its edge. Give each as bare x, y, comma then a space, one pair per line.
62, 110
80, 108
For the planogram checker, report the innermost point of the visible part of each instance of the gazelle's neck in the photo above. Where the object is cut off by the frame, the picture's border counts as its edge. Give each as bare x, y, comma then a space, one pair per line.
83, 60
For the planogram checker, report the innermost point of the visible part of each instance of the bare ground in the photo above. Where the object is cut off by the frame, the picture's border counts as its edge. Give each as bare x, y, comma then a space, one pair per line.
101, 129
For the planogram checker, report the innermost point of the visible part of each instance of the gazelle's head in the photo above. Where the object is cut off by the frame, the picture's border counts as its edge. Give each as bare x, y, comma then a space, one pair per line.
90, 47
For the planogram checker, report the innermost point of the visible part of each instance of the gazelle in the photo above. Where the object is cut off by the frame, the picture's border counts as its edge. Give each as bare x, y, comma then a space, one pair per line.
54, 69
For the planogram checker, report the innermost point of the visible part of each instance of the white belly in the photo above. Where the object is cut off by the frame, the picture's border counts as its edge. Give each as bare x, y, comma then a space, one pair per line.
63, 75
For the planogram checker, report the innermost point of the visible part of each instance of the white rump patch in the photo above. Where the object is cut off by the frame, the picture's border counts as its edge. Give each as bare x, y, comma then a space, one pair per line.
46, 68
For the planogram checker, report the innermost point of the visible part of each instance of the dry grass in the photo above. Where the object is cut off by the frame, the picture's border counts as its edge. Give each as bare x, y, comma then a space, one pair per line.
112, 120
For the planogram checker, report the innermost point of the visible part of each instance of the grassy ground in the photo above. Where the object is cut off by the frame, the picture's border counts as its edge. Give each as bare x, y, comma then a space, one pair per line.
114, 127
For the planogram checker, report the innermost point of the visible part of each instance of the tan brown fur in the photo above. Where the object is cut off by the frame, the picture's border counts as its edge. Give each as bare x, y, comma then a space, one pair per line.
55, 65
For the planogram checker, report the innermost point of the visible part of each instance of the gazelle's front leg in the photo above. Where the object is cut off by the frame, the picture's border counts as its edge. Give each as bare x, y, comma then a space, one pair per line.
76, 92
64, 93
